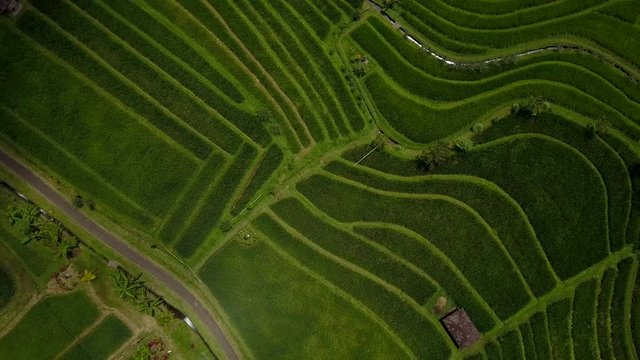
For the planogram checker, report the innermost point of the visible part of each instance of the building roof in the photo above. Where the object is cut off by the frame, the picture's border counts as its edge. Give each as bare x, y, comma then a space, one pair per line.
460, 327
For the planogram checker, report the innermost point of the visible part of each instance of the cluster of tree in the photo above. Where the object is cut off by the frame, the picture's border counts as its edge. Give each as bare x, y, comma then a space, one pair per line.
428, 160
132, 289
153, 350
37, 228
80, 202
532, 107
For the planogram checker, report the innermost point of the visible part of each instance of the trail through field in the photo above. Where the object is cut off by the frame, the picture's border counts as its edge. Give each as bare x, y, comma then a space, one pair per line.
119, 246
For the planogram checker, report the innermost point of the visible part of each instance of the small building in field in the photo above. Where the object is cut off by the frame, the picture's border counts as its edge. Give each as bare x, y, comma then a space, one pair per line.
460, 327
10, 7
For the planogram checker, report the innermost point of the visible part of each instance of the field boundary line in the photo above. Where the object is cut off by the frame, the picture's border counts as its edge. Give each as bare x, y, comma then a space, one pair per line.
357, 305
87, 331
78, 162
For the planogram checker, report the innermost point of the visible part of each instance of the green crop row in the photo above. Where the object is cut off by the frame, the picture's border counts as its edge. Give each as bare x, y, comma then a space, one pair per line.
351, 248
496, 208
49, 327
621, 338
422, 84
424, 337
300, 316
306, 62
248, 123
329, 9
268, 165
511, 345
312, 17
213, 208
625, 10
493, 7
520, 18
382, 160
297, 75
136, 16
324, 63
422, 122
493, 350
106, 338
41, 31
607, 286
56, 159
569, 217
101, 130
635, 313
559, 320
212, 34
540, 329
608, 162
583, 320
209, 172
527, 341
250, 38
451, 226
137, 69
437, 266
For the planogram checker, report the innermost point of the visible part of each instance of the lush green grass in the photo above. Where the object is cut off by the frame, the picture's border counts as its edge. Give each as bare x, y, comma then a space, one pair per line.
511, 345
635, 313
528, 342
281, 311
48, 327
541, 336
353, 249
420, 333
103, 132
493, 351
559, 320
607, 286
583, 320
500, 284
7, 288
107, 337
622, 340
569, 217
212, 210
498, 209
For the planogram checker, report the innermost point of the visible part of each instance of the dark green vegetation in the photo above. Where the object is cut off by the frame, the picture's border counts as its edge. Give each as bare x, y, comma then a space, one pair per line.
7, 288
109, 335
332, 182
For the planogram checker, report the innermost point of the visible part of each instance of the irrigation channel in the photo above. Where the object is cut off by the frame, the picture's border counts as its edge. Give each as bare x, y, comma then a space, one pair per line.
124, 250
499, 60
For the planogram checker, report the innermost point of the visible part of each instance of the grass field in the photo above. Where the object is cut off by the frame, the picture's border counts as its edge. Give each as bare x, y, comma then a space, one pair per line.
339, 175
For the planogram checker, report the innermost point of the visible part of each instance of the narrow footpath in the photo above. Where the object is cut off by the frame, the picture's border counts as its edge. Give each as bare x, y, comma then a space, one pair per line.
120, 247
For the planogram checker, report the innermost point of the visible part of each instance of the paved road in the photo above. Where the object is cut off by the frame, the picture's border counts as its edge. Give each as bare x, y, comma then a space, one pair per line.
119, 246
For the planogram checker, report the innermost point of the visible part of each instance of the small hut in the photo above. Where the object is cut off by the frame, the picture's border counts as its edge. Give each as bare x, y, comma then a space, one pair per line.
10, 7
460, 327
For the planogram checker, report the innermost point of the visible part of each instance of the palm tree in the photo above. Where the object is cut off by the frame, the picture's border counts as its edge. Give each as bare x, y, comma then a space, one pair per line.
127, 287
15, 215
150, 307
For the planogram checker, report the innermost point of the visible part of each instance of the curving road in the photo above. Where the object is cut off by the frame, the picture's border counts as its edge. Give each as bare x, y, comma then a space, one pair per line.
120, 247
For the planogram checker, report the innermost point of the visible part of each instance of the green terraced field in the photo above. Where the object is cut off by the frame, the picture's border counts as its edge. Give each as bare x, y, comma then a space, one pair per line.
332, 170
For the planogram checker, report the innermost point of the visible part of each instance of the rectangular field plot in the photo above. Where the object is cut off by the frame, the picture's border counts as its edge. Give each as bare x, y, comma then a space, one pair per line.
107, 337
49, 327
92, 128
283, 312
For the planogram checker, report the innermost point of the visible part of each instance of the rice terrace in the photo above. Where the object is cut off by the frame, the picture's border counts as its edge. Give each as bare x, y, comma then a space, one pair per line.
320, 179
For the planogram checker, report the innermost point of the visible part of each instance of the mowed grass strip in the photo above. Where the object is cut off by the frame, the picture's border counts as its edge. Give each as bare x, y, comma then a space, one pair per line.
584, 325
605, 299
34, 25
610, 165
264, 171
106, 138
49, 327
622, 340
106, 338
449, 224
46, 152
345, 245
425, 256
284, 311
200, 185
215, 202
539, 172
559, 319
151, 79
500, 211
423, 336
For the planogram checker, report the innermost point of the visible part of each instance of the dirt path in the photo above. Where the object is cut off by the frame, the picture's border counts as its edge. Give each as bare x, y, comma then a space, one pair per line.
119, 246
